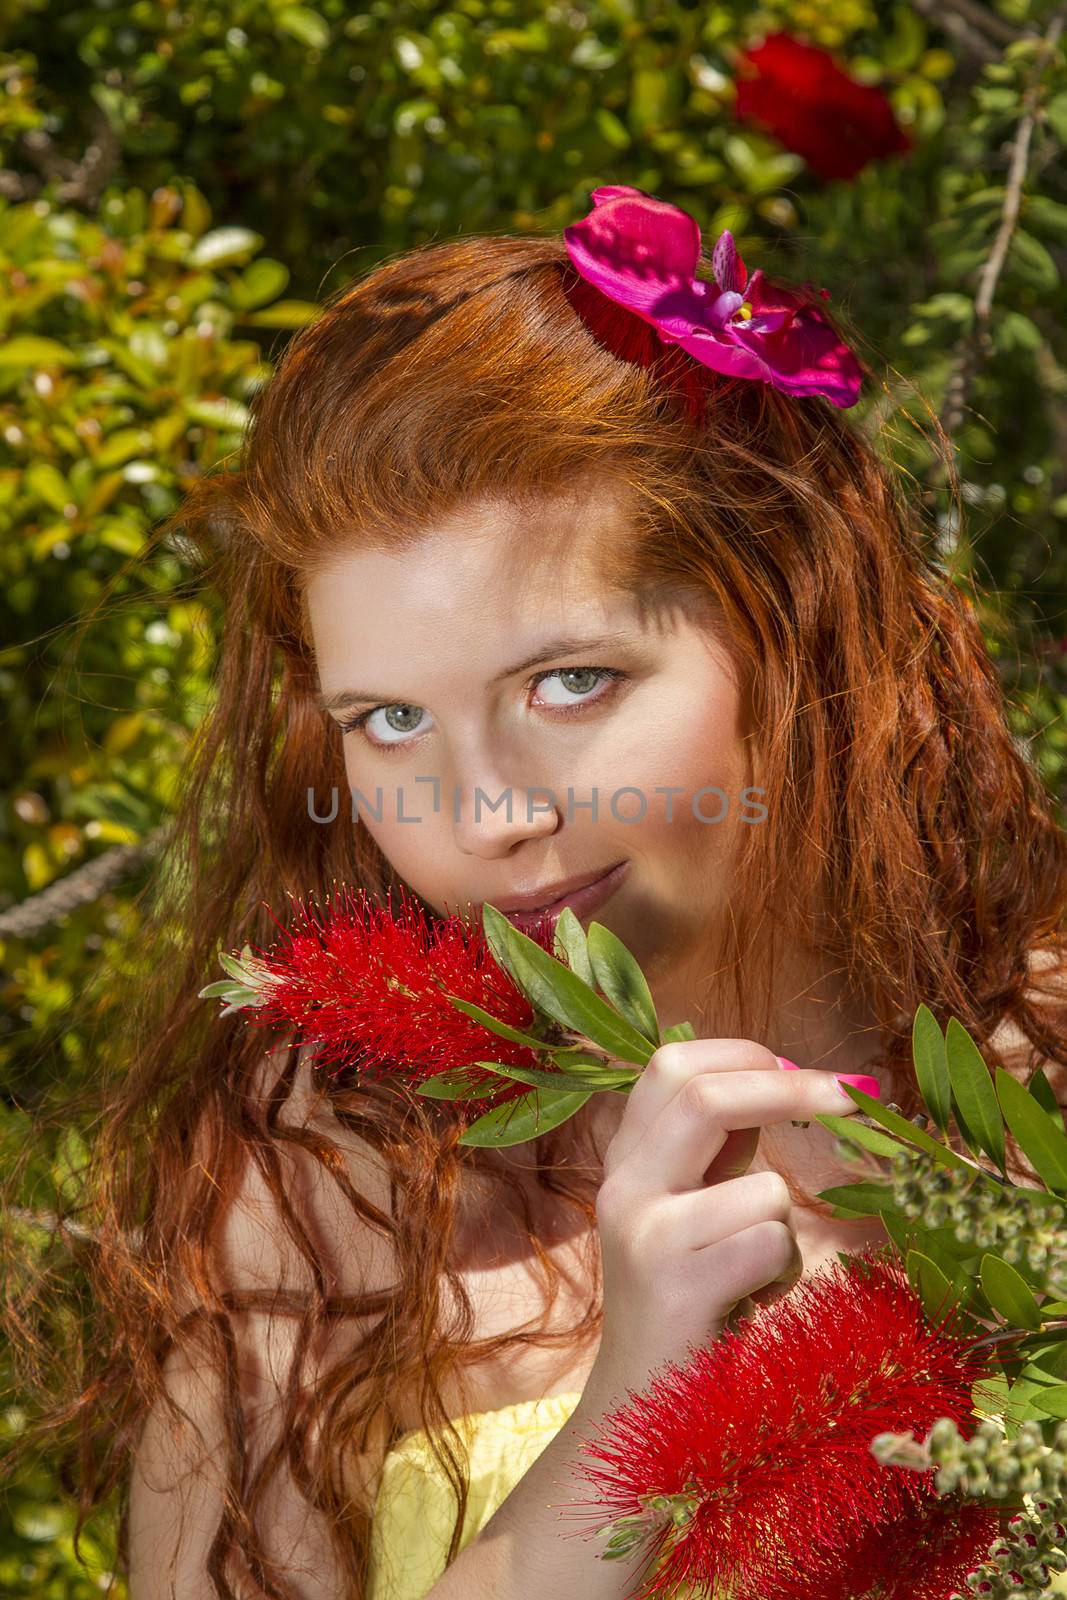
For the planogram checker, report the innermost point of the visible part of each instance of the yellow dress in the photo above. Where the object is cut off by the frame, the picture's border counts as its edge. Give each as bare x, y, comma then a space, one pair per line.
415, 1507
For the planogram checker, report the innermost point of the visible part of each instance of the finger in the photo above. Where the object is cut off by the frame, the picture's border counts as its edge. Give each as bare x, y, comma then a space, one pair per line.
704, 1216
735, 1157
674, 1064
747, 1262
676, 1150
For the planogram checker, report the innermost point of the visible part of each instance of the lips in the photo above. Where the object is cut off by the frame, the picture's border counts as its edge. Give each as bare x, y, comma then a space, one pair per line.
583, 897
540, 899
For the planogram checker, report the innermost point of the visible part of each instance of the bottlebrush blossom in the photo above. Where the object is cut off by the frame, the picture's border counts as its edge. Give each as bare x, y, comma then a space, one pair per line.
769, 1430
801, 95
643, 253
369, 987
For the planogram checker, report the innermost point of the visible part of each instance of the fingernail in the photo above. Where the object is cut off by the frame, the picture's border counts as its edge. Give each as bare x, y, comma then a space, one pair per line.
782, 1062
859, 1080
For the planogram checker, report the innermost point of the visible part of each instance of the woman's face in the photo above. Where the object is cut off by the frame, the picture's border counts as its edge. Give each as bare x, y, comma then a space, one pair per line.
432, 649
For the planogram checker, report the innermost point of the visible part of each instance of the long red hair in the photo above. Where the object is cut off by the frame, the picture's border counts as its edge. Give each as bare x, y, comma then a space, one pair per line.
913, 845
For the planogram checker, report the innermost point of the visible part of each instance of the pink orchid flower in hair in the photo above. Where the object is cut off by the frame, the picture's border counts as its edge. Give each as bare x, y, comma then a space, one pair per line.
643, 254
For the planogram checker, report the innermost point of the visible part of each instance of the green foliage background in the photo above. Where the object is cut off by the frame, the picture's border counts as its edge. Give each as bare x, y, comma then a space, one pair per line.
179, 184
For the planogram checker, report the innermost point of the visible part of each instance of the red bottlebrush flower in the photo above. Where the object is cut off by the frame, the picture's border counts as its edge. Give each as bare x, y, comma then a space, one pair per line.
370, 987
801, 95
769, 1430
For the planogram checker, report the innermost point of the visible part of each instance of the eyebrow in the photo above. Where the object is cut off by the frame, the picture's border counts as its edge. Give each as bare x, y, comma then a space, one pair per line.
341, 699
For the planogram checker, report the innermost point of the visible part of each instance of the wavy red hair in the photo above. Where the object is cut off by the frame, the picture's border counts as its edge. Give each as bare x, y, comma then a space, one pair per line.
913, 848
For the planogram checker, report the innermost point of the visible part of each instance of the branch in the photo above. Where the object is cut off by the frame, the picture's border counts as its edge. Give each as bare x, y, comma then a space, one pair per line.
79, 888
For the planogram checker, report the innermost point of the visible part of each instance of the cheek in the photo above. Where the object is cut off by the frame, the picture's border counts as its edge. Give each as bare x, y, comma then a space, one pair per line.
686, 741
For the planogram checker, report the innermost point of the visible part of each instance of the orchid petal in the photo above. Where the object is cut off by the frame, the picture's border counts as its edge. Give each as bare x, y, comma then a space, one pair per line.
635, 250
643, 253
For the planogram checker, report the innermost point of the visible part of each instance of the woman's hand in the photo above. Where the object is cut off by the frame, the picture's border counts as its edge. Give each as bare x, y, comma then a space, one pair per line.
686, 1231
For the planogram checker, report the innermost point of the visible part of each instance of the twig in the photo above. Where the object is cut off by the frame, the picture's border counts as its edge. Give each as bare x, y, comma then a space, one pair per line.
982, 18
976, 342
966, 37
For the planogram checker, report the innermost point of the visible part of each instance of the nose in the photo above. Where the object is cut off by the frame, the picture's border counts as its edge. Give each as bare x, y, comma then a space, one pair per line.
491, 819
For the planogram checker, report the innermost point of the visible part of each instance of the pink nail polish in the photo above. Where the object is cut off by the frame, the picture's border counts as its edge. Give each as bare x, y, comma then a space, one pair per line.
860, 1080
782, 1062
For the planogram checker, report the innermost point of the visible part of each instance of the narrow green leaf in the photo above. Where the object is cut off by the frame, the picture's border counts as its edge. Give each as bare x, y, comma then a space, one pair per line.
223, 246
930, 1284
678, 1031
907, 1131
1009, 1294
619, 977
553, 988
862, 1199
931, 1066
28, 350
1044, 1146
590, 1079
522, 1120
1045, 1095
974, 1094
453, 1085
225, 988
859, 1133
570, 943
494, 1024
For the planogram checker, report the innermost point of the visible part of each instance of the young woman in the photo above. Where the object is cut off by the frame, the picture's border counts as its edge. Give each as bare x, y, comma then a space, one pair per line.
583, 605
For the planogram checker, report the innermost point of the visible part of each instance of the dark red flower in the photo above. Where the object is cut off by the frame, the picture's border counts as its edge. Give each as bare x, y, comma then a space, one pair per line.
369, 987
769, 1429
801, 95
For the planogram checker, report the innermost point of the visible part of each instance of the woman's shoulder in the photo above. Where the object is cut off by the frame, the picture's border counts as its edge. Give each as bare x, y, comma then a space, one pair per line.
300, 1186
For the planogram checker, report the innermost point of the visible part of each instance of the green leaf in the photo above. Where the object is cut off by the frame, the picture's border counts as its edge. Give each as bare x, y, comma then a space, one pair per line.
931, 1067
28, 351
305, 25
907, 1131
570, 943
1049, 1359
522, 1120
284, 314
861, 1199
1009, 1294
1045, 1095
47, 483
590, 1079
260, 282
1052, 1401
226, 414
454, 1084
494, 1024
898, 1229
1044, 1146
553, 988
619, 977
224, 246
976, 1101
678, 1031
858, 1133
930, 1284
1014, 331
1033, 261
